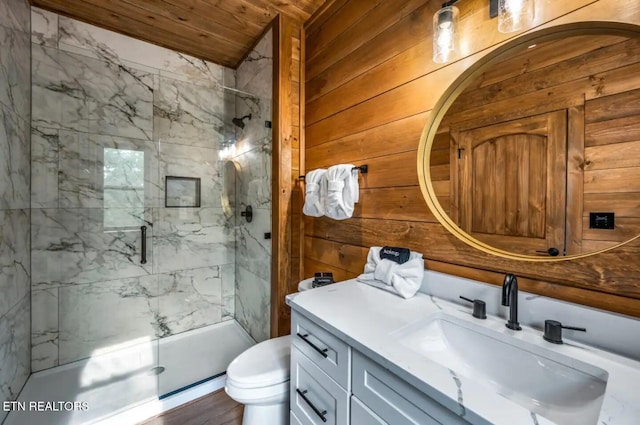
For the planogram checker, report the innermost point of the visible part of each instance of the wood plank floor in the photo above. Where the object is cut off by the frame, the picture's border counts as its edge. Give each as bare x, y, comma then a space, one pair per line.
213, 409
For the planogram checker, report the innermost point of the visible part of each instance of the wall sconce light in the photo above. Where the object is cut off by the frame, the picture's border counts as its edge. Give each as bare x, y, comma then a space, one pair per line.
445, 29
513, 15
227, 149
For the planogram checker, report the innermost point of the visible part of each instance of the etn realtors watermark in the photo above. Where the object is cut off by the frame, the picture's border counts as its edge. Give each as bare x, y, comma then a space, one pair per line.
44, 406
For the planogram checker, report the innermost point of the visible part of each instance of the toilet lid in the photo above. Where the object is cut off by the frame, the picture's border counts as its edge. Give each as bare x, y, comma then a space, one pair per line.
264, 364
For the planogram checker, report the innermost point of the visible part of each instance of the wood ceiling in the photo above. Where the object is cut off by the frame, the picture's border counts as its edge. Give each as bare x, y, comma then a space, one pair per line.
221, 31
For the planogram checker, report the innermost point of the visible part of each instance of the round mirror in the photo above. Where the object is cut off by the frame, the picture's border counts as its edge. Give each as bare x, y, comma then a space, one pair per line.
534, 152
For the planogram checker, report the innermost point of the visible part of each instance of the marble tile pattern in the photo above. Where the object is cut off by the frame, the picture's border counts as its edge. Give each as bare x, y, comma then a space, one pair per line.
14, 14
252, 304
15, 79
228, 276
106, 316
44, 27
44, 328
76, 92
189, 299
253, 251
254, 73
15, 268
253, 187
45, 149
187, 113
14, 160
73, 246
98, 95
117, 48
15, 351
189, 238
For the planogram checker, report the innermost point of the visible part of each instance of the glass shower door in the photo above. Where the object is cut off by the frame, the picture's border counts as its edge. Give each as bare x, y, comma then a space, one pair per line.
93, 269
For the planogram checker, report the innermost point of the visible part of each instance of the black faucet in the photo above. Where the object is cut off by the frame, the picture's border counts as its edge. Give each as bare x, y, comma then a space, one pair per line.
510, 299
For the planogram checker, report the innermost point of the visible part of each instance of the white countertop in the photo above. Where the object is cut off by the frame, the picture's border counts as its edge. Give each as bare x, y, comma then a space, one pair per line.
369, 319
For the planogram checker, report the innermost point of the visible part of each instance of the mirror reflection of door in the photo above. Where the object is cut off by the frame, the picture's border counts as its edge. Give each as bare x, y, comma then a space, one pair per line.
551, 137
511, 180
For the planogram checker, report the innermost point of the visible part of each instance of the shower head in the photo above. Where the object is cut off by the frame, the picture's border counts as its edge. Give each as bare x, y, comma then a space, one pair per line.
239, 122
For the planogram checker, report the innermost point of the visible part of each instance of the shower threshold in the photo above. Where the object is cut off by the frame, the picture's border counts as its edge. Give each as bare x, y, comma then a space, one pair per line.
134, 383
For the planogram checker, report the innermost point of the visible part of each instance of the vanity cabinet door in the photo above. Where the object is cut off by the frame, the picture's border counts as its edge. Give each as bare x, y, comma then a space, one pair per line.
316, 399
394, 400
327, 351
361, 415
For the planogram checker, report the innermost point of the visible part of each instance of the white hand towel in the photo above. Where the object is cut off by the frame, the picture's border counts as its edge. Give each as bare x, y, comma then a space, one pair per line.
402, 279
343, 191
315, 193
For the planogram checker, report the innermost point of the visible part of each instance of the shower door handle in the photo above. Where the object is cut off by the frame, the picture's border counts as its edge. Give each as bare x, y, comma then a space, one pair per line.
143, 250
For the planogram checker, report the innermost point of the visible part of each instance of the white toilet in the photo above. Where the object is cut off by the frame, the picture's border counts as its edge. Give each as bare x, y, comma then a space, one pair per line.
259, 379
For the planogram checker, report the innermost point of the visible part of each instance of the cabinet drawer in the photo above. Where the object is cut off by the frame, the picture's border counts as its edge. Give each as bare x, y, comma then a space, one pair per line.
327, 351
316, 399
361, 415
394, 400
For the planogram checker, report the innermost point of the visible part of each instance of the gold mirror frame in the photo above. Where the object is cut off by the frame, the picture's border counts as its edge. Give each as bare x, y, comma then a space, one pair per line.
519, 44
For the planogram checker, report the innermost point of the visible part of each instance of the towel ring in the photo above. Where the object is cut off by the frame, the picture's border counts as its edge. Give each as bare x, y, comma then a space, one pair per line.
364, 169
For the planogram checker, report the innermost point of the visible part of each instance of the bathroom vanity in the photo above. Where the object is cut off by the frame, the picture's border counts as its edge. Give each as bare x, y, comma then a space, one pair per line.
361, 356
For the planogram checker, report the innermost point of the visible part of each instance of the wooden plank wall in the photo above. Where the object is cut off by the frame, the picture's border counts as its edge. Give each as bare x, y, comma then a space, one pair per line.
612, 164
286, 218
370, 84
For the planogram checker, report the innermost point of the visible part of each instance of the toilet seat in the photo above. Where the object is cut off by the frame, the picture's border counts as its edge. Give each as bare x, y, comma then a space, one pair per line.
264, 365
272, 394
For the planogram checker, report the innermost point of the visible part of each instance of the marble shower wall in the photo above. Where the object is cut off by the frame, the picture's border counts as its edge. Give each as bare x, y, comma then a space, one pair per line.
253, 255
15, 216
112, 117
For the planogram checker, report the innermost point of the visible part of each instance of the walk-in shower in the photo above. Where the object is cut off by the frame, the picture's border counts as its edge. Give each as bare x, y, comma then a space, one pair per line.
145, 279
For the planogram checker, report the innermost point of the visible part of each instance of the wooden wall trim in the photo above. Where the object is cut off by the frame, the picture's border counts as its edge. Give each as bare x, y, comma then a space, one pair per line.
302, 146
281, 158
288, 118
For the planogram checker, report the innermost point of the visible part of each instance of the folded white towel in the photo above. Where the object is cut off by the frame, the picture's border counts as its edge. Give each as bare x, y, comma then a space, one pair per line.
402, 279
315, 193
343, 191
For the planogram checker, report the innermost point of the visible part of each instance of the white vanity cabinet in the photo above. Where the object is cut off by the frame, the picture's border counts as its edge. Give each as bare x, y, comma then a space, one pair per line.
320, 374
331, 383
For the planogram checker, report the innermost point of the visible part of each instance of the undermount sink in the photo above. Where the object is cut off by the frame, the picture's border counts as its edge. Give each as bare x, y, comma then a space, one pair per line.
560, 388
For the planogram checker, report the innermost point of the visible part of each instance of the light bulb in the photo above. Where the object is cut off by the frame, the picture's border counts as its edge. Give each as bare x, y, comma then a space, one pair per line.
445, 34
514, 15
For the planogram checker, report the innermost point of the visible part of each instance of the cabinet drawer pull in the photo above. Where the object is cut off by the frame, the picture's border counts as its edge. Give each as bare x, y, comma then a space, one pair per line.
320, 414
322, 351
